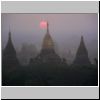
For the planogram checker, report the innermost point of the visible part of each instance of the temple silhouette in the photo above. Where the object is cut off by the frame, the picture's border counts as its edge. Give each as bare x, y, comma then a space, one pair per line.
9, 59
82, 54
47, 68
47, 53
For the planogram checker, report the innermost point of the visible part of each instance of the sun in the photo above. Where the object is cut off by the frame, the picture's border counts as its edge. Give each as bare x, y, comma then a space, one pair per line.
43, 24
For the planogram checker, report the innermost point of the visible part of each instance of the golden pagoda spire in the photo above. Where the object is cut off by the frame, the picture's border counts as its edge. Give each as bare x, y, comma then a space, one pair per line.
47, 27
47, 41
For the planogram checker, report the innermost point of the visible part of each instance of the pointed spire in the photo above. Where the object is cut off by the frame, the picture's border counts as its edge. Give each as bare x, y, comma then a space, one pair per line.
9, 35
9, 47
47, 41
47, 24
9, 54
47, 27
82, 53
82, 48
82, 38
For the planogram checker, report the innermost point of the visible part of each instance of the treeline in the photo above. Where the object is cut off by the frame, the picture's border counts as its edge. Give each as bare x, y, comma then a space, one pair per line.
52, 75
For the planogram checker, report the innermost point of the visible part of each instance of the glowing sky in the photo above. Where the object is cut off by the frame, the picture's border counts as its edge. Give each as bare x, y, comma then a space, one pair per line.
65, 29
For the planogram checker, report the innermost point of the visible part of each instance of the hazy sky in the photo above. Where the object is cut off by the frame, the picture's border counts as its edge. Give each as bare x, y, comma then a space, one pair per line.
65, 29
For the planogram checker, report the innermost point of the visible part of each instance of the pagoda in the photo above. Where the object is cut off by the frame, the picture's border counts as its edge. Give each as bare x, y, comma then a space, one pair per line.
47, 53
82, 54
9, 57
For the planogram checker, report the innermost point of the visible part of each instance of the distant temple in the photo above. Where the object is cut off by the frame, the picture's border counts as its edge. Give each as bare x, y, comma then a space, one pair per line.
47, 53
9, 56
26, 52
82, 54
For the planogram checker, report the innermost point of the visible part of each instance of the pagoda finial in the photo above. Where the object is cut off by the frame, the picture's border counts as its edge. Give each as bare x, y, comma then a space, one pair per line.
82, 37
9, 33
47, 27
47, 24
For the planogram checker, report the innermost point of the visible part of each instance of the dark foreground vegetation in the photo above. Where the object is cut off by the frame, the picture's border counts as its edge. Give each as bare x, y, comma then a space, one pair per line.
51, 75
